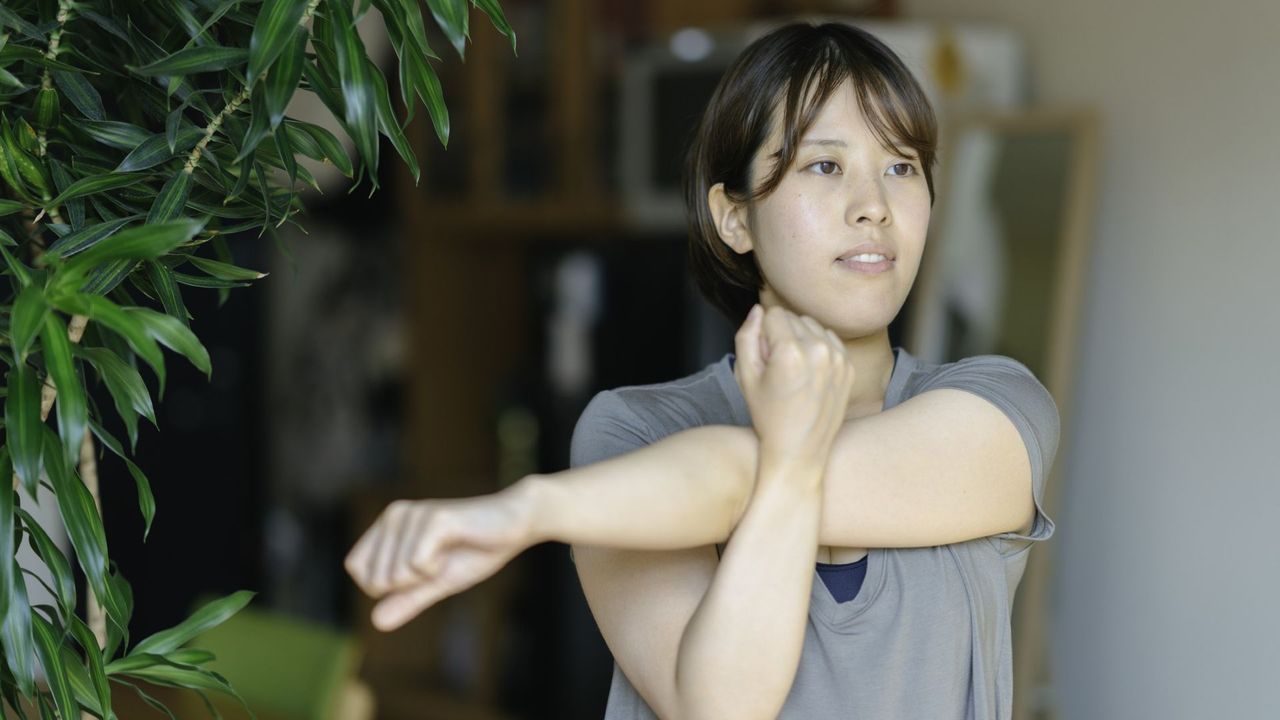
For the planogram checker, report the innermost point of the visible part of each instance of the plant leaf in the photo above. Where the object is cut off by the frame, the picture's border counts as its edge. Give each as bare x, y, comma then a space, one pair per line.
126, 325
494, 11
451, 16
172, 198
87, 237
29, 309
73, 412
155, 149
284, 76
209, 616
81, 93
195, 59
14, 608
146, 501
84, 527
24, 438
64, 581
357, 86
170, 297
113, 133
173, 335
47, 642
141, 242
388, 123
276, 26
126, 387
96, 184
225, 271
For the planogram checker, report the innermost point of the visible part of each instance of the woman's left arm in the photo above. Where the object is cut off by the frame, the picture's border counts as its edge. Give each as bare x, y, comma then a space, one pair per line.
944, 466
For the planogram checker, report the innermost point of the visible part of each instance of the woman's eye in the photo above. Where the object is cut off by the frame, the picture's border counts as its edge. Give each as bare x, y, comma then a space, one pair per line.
824, 164
902, 169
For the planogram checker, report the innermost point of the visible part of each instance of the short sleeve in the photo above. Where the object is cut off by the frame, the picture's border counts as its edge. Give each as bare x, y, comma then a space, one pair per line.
1012, 387
608, 427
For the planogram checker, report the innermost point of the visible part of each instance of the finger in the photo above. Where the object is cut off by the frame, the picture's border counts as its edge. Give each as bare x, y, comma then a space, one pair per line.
364, 557
746, 341
399, 608
403, 571
384, 560
777, 327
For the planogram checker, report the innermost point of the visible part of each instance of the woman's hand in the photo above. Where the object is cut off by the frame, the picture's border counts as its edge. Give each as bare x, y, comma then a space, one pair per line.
796, 377
419, 552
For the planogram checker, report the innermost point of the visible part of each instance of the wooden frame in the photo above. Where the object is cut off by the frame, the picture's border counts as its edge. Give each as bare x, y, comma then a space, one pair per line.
1055, 307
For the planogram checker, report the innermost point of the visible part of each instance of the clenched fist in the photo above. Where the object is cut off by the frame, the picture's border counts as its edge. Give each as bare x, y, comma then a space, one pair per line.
796, 377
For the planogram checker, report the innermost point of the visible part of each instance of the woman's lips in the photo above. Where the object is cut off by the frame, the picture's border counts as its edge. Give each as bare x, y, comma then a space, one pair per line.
866, 268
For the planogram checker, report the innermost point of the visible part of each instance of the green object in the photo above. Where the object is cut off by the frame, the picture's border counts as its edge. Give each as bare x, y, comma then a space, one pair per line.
282, 667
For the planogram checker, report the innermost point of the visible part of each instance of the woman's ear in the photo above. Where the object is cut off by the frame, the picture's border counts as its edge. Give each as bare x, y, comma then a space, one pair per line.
730, 219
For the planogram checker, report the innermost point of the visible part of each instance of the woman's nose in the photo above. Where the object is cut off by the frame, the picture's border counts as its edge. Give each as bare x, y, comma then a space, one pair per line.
868, 205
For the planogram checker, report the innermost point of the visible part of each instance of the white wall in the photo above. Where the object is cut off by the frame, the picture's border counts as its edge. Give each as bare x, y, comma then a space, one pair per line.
1167, 596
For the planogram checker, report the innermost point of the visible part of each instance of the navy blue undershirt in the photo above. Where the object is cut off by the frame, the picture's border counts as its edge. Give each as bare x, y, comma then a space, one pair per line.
843, 580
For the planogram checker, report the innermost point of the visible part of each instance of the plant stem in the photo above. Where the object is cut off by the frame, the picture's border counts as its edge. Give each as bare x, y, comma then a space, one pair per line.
194, 158
46, 80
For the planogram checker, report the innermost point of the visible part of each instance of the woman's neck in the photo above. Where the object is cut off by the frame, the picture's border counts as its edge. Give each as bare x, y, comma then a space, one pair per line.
873, 360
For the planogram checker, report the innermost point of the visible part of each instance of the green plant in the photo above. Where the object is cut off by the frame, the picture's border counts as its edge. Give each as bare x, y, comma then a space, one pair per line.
134, 136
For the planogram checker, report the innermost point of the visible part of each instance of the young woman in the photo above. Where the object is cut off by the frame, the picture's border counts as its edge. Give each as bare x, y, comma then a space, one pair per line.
818, 525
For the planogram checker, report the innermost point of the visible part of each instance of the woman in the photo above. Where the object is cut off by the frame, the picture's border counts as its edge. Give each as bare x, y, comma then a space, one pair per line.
818, 525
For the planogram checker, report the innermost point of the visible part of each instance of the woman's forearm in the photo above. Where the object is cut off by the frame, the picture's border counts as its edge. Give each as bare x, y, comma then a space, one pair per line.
739, 653
686, 490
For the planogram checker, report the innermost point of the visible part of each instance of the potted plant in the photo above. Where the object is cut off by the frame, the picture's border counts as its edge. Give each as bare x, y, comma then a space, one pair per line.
134, 137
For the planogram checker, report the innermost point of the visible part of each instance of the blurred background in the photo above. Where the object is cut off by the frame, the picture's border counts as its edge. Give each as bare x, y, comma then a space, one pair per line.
1106, 199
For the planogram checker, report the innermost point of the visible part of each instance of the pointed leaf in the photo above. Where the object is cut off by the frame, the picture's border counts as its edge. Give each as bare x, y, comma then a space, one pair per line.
81, 93
172, 198
331, 148
9, 207
194, 60
173, 335
207, 617
277, 24
47, 642
146, 501
24, 437
494, 11
357, 86
96, 184
125, 385
126, 325
93, 653
29, 309
15, 611
73, 412
48, 551
427, 85
155, 149
141, 242
283, 79
166, 288
87, 237
225, 271
451, 16
84, 526
389, 124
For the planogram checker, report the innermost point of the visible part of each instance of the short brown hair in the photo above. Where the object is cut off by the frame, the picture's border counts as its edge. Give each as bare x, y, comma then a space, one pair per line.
799, 60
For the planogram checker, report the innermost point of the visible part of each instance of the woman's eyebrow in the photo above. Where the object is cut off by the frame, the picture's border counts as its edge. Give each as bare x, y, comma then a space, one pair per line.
824, 141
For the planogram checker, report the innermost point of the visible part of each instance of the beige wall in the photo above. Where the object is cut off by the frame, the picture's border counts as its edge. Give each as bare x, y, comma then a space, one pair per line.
1167, 596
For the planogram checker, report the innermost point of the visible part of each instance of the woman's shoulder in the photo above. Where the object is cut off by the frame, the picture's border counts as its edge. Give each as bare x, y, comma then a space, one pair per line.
704, 397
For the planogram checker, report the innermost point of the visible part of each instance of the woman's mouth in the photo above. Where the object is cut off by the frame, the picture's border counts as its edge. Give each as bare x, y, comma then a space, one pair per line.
866, 263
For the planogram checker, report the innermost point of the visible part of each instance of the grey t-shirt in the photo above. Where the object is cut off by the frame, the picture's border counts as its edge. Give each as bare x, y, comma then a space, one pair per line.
928, 634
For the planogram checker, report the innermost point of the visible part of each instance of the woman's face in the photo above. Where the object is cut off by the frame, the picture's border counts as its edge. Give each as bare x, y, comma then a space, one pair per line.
843, 191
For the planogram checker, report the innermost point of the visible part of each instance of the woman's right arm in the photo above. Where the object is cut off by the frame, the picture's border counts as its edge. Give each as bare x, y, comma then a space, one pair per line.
699, 638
